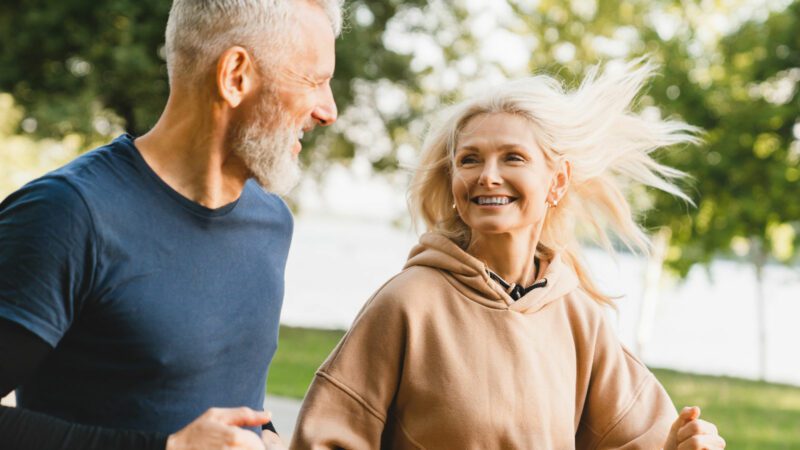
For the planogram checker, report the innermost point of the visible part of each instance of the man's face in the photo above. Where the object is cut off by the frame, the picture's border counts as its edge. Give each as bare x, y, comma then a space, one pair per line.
294, 98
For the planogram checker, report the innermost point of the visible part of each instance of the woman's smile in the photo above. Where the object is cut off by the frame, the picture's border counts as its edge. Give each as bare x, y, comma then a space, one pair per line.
492, 201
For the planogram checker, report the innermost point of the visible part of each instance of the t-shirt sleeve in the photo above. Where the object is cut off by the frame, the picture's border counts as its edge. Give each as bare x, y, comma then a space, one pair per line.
47, 257
626, 407
348, 401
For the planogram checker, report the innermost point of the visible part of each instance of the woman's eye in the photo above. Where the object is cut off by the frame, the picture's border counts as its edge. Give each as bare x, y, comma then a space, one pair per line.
515, 158
468, 160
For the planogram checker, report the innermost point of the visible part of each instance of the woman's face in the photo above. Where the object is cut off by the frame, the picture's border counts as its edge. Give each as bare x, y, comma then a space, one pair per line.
501, 178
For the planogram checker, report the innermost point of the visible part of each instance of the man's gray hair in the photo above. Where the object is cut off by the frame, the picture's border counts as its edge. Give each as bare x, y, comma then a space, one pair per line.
198, 31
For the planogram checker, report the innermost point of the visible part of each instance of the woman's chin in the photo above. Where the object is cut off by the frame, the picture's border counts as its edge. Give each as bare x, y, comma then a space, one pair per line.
490, 228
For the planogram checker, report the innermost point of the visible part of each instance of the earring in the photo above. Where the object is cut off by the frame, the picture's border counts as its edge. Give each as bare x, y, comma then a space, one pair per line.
454, 205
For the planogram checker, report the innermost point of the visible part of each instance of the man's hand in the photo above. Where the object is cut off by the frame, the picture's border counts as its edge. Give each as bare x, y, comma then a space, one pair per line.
688, 432
272, 441
218, 429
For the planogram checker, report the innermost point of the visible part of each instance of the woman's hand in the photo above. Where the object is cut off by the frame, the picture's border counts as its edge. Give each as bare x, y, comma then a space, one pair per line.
688, 432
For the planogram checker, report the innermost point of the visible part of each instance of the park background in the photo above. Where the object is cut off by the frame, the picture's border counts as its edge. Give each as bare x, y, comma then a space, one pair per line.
720, 293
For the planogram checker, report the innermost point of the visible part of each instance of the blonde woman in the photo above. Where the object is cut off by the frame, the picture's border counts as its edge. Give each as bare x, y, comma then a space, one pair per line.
494, 336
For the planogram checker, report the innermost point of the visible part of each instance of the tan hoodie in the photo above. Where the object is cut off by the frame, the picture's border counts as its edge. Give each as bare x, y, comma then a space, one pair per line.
442, 358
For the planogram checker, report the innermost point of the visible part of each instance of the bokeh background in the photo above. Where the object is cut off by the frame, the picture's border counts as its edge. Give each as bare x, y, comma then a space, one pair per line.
720, 293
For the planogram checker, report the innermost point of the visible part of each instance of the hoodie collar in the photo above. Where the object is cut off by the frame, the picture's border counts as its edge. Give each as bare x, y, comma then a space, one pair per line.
472, 278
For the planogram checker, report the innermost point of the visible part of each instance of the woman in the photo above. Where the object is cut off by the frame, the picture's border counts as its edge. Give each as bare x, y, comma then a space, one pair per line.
493, 335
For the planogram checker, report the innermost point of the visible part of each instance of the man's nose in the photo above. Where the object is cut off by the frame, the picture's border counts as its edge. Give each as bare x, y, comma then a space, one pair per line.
325, 113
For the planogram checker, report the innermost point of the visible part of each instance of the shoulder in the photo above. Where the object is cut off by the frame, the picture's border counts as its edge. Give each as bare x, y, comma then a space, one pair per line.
411, 287
583, 310
64, 197
399, 299
51, 199
102, 172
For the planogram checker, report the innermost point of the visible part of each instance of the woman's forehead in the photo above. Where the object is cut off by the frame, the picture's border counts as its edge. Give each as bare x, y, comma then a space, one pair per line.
497, 130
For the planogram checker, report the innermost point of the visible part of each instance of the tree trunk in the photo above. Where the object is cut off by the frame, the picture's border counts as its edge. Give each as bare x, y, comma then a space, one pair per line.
650, 291
759, 261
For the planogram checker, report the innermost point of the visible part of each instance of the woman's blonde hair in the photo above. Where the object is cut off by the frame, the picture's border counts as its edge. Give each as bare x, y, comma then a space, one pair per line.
593, 126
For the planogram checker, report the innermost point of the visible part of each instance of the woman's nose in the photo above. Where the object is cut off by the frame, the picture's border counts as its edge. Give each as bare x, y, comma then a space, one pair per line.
490, 175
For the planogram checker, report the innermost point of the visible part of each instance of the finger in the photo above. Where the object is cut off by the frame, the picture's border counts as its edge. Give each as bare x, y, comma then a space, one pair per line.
696, 427
240, 417
703, 442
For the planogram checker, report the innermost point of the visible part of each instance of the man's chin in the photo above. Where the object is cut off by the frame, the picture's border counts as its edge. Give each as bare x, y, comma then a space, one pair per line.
280, 182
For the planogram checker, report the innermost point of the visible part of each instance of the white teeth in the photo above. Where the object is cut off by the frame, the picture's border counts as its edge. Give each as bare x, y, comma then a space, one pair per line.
300, 135
493, 200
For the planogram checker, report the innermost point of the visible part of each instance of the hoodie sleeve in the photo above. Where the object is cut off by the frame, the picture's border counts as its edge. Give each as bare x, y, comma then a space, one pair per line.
347, 403
625, 406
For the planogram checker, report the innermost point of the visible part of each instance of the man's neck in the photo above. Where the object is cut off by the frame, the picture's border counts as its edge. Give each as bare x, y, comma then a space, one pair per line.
187, 149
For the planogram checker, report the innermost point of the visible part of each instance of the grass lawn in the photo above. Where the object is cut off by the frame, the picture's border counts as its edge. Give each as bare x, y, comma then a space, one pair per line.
750, 415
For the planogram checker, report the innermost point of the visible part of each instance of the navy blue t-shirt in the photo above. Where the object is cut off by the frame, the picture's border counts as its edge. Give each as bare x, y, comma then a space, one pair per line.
158, 308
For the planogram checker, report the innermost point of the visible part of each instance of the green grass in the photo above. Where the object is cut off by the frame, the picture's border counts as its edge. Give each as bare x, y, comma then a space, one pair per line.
300, 352
750, 415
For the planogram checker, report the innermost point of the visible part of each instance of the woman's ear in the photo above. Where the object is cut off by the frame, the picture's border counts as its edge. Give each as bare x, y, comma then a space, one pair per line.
560, 183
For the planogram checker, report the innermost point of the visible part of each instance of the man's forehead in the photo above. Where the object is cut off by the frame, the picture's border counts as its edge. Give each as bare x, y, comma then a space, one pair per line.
314, 42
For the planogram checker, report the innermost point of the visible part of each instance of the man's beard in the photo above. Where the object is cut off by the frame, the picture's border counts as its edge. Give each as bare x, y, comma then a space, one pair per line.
267, 153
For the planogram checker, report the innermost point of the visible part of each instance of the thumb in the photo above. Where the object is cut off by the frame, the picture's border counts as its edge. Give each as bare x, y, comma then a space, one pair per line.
689, 413
686, 415
242, 417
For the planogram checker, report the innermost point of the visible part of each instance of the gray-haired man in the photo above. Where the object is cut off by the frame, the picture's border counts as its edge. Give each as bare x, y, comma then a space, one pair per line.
141, 285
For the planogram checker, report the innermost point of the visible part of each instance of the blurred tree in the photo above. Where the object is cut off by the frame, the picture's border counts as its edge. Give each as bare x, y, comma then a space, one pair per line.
755, 199
739, 82
86, 67
23, 158
76, 66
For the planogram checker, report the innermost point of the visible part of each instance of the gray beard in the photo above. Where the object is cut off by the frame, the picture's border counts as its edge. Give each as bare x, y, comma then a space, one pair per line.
269, 158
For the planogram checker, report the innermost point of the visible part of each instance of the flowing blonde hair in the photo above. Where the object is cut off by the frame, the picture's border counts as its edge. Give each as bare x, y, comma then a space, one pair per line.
608, 146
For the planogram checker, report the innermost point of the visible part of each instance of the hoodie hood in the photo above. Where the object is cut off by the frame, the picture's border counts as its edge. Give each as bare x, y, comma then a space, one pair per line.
471, 276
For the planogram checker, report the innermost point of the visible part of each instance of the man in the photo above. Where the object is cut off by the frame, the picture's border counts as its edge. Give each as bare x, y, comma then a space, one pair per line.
141, 285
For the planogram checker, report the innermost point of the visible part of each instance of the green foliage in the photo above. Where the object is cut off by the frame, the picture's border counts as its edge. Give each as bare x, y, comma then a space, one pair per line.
22, 158
70, 62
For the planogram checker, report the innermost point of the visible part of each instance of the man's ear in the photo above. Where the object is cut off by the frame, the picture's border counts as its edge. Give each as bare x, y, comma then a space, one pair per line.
235, 75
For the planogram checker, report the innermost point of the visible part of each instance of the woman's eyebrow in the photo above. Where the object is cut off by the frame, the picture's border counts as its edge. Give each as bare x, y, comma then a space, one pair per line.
513, 147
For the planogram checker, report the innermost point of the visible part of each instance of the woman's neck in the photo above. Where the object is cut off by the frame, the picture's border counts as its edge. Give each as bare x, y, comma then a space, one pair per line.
509, 255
